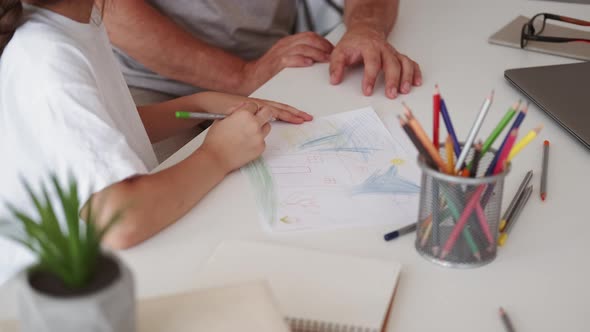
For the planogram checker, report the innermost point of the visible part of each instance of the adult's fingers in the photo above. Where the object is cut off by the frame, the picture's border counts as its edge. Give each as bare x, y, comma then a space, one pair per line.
391, 73
337, 65
407, 77
308, 51
311, 39
372, 63
417, 74
295, 61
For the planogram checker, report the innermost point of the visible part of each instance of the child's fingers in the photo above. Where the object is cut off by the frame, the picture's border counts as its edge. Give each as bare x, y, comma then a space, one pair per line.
265, 129
264, 115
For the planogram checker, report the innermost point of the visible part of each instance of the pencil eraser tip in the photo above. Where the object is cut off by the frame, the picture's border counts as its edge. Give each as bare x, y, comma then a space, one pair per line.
546, 142
543, 196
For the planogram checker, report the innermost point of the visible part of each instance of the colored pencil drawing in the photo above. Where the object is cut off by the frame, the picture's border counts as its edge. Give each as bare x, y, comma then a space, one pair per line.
338, 171
388, 182
264, 188
347, 138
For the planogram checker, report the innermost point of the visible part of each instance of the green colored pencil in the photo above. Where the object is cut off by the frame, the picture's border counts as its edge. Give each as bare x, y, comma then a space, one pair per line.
456, 213
497, 131
199, 115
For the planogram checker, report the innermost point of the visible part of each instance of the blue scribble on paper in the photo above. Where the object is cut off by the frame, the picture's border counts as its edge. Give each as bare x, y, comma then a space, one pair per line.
387, 183
346, 139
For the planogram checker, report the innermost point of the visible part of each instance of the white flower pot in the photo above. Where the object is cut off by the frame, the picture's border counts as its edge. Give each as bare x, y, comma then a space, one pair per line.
108, 309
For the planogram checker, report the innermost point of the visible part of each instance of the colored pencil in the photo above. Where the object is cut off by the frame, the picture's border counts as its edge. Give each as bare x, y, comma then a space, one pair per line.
474, 130
483, 222
449, 125
436, 203
506, 321
498, 130
512, 221
524, 142
475, 160
462, 221
436, 117
426, 234
199, 115
519, 119
421, 150
545, 169
423, 138
510, 210
502, 160
450, 155
446, 213
402, 231
455, 212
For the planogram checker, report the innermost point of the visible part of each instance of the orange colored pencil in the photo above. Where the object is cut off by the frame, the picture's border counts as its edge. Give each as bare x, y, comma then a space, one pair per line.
423, 138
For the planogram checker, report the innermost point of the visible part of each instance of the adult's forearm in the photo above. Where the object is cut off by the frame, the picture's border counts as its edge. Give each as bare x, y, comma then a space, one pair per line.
379, 15
153, 202
166, 48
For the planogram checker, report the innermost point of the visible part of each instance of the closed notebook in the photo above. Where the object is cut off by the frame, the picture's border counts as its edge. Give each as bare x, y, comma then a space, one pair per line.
509, 35
316, 291
239, 307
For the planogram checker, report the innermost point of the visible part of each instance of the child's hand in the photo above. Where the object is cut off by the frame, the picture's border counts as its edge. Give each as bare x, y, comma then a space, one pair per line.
239, 138
217, 102
283, 112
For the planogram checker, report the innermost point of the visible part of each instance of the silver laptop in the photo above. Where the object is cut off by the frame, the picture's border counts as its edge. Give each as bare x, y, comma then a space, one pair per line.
562, 91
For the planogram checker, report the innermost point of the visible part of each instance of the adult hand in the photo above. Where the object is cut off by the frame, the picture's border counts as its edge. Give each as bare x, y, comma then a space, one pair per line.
370, 47
299, 50
239, 138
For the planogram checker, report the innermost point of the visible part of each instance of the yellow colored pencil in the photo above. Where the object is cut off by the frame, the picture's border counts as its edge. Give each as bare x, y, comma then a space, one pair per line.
427, 232
524, 142
450, 155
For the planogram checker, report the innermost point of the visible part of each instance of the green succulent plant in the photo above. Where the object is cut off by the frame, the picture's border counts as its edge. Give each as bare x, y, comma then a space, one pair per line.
70, 253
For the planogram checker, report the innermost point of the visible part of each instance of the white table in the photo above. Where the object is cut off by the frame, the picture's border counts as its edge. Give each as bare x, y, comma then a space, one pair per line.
541, 276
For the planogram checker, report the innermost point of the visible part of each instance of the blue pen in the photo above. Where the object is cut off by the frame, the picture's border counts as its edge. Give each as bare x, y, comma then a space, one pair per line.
449, 125
515, 125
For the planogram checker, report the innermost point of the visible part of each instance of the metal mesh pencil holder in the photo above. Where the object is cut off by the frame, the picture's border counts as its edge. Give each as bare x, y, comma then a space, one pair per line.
458, 216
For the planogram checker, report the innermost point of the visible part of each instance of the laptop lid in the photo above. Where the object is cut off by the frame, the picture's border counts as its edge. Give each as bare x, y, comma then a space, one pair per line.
562, 91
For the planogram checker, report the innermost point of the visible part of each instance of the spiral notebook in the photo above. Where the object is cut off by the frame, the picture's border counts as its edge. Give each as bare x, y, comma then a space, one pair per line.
316, 291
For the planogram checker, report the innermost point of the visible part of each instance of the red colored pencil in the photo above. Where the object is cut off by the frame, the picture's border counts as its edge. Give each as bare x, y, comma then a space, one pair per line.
435, 116
505, 151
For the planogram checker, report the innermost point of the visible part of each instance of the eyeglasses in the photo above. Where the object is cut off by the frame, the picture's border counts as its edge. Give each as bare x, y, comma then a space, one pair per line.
532, 29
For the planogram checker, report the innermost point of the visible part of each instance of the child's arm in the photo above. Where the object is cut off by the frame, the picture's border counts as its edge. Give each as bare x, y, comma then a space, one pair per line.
152, 202
160, 122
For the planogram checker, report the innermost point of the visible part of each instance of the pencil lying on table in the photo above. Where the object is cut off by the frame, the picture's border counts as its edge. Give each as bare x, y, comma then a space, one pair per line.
544, 171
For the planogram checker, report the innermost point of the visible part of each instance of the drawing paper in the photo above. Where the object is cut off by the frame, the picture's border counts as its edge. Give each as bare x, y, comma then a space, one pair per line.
337, 171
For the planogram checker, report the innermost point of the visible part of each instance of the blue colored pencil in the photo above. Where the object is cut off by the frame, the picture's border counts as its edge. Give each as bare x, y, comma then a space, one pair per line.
449, 125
